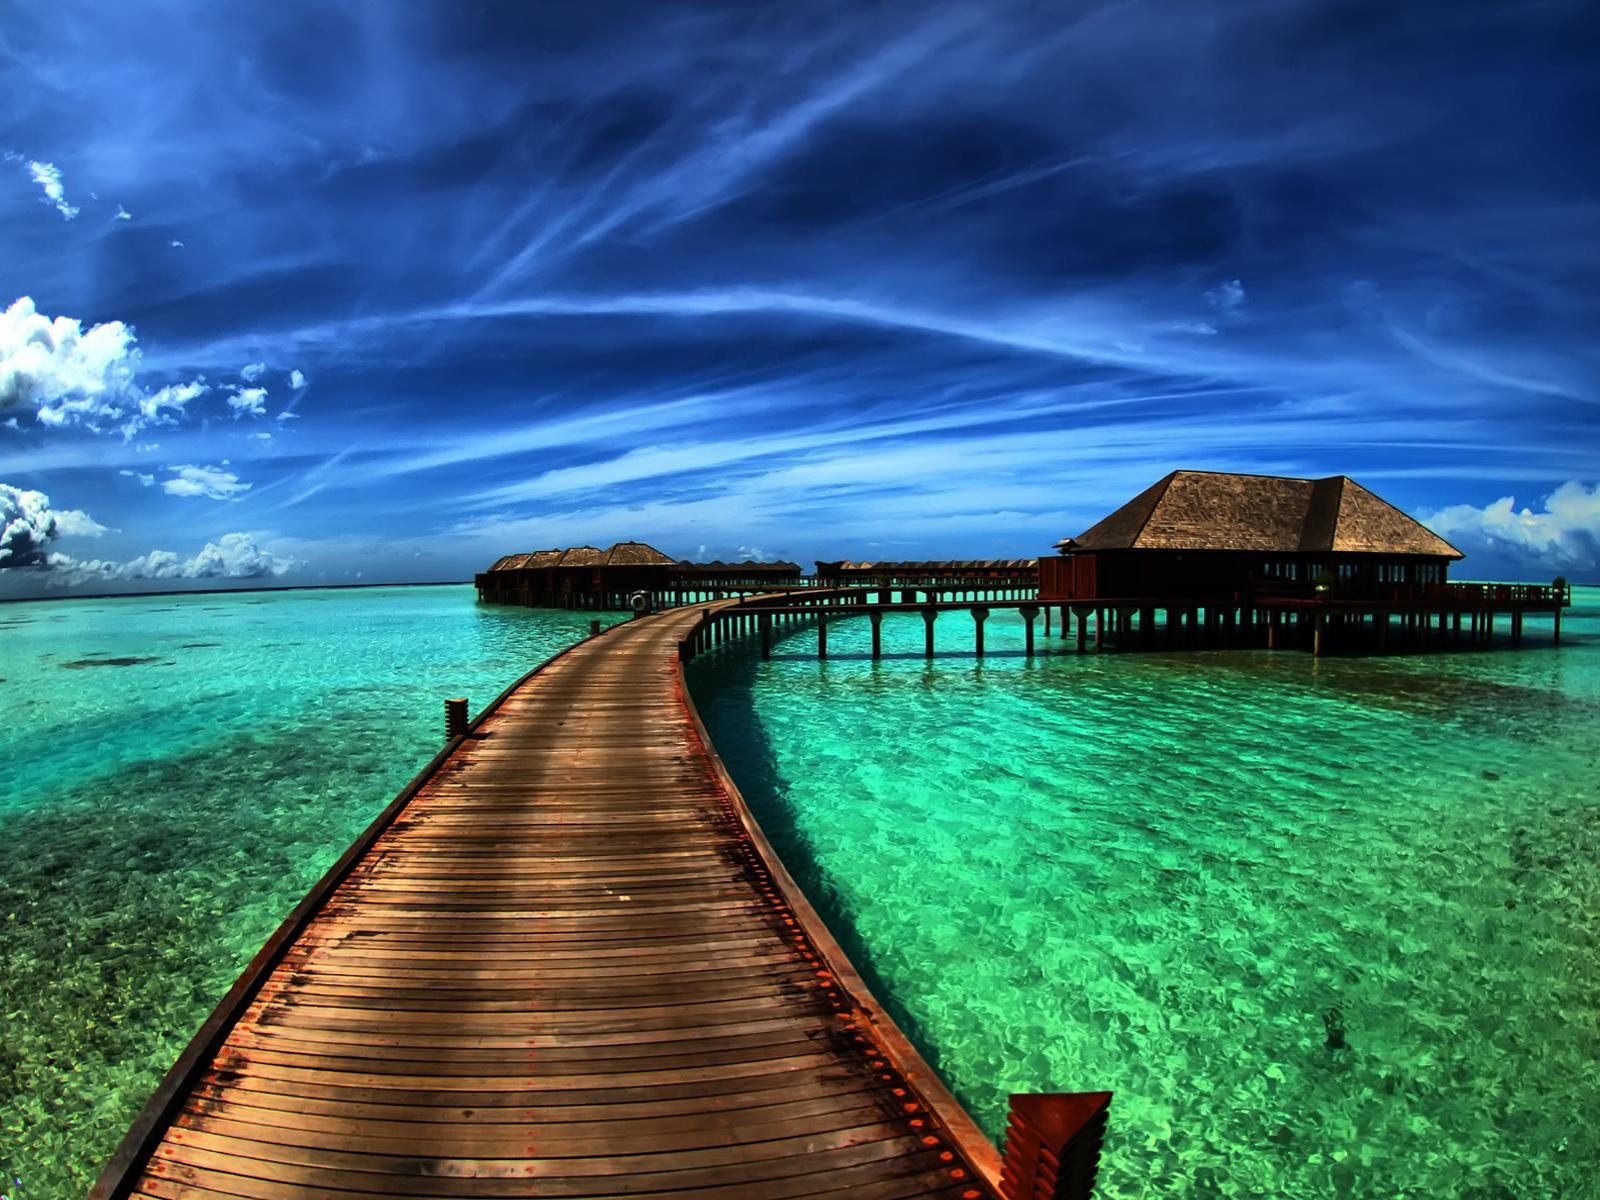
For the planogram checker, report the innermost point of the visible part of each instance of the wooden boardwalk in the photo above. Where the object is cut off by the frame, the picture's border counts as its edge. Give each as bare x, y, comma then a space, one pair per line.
563, 963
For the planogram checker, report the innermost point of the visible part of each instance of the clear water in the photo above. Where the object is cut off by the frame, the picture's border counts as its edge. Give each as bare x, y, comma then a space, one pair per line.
177, 773
1160, 874
1149, 873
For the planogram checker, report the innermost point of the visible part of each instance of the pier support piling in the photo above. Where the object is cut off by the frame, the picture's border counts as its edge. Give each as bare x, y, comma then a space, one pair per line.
1030, 613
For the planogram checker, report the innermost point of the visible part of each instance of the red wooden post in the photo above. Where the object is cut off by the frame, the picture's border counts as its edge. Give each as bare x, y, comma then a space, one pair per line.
455, 718
1053, 1145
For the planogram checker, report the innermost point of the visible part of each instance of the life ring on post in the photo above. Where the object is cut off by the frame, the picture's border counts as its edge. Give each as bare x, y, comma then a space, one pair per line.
640, 603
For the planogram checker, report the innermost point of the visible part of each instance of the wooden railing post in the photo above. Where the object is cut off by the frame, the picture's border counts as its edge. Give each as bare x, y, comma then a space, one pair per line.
455, 719
1053, 1145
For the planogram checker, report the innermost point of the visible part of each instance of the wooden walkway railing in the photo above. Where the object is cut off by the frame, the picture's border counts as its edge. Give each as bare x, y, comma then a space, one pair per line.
565, 962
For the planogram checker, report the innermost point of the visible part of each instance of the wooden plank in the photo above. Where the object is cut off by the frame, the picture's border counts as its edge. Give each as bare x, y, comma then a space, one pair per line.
566, 964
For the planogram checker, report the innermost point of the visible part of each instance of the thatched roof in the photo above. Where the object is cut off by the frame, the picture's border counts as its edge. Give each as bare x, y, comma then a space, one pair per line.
1211, 510
582, 556
636, 554
623, 554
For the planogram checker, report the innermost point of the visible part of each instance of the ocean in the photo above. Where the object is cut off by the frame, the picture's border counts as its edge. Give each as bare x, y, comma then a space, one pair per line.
1327, 928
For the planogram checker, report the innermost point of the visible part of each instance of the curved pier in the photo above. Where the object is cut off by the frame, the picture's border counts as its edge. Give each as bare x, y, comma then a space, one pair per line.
564, 962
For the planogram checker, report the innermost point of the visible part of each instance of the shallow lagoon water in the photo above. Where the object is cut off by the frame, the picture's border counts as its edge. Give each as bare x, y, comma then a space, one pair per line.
1150, 873
178, 772
1176, 875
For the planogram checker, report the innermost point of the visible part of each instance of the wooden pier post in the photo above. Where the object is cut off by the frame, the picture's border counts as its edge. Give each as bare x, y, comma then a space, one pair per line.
1317, 623
929, 616
765, 622
1047, 620
1030, 613
822, 637
876, 617
979, 616
1083, 626
1099, 628
455, 718
1558, 622
594, 627
1053, 1144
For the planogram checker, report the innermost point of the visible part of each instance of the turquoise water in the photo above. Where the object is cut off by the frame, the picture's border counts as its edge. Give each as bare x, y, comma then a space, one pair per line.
178, 772
1179, 877
1150, 873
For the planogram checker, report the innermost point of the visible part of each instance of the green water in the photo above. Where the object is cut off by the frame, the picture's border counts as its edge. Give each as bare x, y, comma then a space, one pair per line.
1148, 873
1158, 874
178, 772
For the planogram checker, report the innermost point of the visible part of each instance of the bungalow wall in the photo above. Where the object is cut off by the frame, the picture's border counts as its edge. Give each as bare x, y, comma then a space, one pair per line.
1214, 574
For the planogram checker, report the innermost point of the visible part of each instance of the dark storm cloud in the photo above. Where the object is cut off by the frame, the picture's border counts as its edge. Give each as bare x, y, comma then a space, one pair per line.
822, 278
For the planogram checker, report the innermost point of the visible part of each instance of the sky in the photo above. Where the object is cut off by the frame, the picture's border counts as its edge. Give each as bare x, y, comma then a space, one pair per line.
333, 292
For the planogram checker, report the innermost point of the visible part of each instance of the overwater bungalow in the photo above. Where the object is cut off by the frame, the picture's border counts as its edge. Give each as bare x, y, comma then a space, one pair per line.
1246, 557
590, 578
576, 577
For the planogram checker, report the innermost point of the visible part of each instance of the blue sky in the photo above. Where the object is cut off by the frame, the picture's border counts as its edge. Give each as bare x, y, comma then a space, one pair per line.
318, 292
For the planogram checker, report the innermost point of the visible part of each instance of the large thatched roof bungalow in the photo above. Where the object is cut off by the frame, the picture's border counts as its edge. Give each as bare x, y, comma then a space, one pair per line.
1213, 534
576, 577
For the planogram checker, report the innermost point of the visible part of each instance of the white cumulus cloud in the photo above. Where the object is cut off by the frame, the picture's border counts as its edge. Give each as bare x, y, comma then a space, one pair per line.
297, 379
251, 372
70, 375
28, 523
144, 480
232, 556
122, 214
252, 401
211, 483
1562, 535
48, 177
